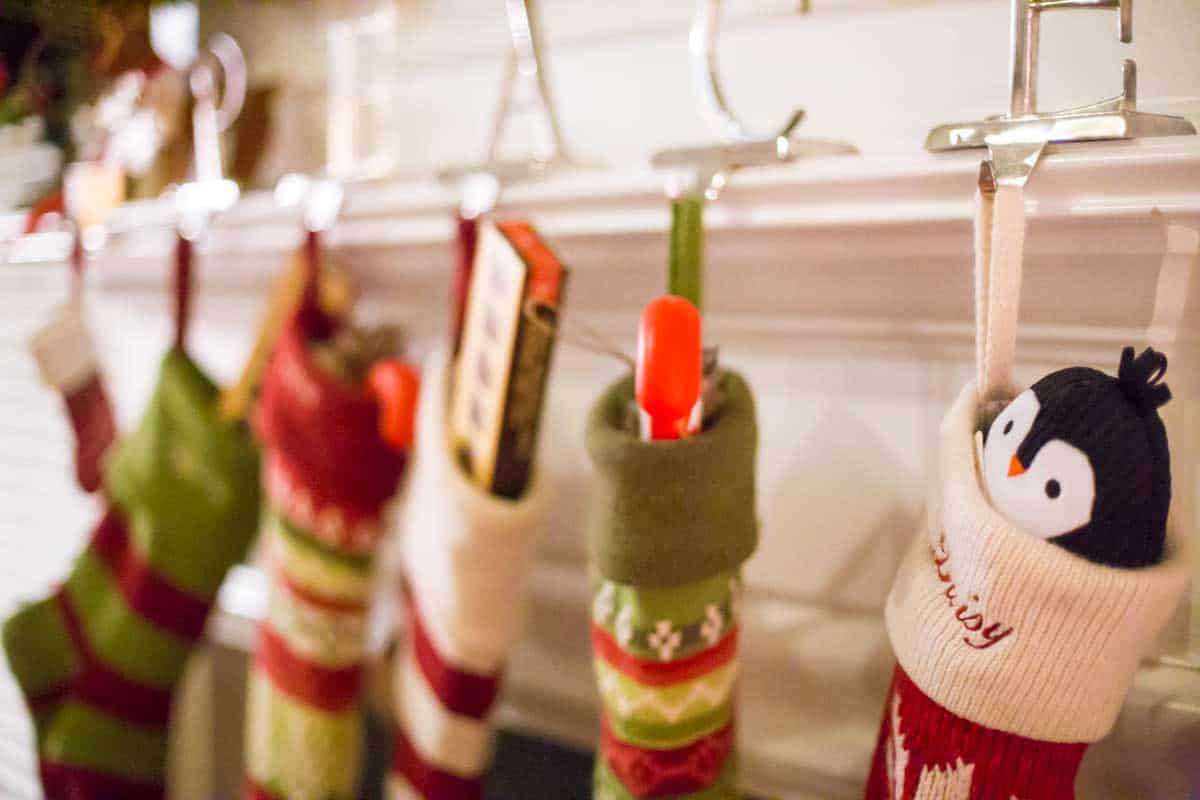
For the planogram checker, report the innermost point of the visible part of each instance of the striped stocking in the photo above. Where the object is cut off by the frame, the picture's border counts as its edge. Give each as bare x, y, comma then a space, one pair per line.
670, 524
99, 660
67, 362
466, 557
328, 474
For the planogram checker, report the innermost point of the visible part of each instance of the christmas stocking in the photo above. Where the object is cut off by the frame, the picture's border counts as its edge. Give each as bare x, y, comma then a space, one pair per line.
670, 524
98, 661
327, 473
67, 361
466, 557
1019, 621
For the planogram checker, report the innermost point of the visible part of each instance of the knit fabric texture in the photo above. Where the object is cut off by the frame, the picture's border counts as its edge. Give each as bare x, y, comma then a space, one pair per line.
926, 753
467, 555
669, 531
98, 661
654, 506
67, 362
1009, 633
328, 474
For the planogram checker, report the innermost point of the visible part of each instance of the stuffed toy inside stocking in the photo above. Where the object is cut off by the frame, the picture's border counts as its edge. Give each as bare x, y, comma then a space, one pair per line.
327, 472
466, 557
670, 524
67, 362
99, 659
1019, 620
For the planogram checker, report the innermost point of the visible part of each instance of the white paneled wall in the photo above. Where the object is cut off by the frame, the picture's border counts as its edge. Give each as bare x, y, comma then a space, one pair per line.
842, 288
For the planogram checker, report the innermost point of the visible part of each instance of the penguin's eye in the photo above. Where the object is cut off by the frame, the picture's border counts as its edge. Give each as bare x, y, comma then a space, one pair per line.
1053, 496
1008, 428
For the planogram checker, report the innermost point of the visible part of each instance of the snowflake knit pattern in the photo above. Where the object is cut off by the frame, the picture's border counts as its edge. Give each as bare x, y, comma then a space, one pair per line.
664, 599
327, 474
99, 660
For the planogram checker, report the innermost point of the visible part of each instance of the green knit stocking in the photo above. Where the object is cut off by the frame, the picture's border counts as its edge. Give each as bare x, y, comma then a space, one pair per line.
98, 660
670, 524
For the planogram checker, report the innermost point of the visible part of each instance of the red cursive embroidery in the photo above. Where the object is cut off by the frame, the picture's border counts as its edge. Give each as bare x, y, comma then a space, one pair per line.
980, 635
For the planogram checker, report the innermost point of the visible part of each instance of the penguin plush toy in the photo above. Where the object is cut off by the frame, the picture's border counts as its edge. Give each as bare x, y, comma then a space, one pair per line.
1013, 655
1080, 459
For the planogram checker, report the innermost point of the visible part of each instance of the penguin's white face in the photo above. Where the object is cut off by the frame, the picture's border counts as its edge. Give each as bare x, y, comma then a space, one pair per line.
1048, 497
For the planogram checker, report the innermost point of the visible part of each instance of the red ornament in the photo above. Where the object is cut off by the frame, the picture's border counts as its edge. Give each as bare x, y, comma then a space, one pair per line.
396, 386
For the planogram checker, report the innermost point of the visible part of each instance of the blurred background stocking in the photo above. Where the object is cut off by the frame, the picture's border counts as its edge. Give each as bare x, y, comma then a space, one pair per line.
98, 661
328, 472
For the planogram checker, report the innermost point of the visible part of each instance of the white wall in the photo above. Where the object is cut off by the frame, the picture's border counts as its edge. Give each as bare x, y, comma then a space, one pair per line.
841, 288
878, 73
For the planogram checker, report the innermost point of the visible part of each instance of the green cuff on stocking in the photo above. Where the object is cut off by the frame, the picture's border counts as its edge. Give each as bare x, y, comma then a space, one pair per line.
672, 512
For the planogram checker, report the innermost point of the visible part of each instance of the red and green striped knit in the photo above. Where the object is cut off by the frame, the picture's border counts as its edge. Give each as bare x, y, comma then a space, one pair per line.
327, 475
670, 524
98, 661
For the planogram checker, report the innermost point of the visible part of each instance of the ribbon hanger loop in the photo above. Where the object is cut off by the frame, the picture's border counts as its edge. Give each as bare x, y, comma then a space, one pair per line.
320, 202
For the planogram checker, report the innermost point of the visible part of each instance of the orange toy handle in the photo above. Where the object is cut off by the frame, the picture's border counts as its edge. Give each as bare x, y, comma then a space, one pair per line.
669, 368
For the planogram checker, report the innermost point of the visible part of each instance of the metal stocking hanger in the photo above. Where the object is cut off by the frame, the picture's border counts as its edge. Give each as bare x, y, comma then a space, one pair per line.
699, 173
1015, 140
525, 91
210, 191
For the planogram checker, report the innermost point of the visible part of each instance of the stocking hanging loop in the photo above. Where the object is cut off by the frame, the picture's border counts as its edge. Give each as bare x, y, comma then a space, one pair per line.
182, 289
999, 253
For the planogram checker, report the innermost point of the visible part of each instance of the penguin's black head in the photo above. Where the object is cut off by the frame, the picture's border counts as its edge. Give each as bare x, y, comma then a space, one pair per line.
1081, 459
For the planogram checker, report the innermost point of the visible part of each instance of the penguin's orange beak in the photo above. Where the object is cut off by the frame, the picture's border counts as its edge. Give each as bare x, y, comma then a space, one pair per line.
1015, 467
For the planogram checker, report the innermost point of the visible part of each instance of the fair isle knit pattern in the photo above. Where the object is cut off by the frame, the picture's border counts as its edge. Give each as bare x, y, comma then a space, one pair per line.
667, 700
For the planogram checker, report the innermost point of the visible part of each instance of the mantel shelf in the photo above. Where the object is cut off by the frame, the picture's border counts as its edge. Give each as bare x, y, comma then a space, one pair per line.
1078, 186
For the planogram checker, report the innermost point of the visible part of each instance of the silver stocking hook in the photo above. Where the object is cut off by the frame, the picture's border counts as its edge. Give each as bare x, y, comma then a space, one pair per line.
211, 191
524, 91
707, 168
1015, 140
702, 46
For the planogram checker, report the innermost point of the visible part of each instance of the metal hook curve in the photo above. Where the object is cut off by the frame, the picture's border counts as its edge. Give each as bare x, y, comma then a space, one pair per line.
702, 46
225, 50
